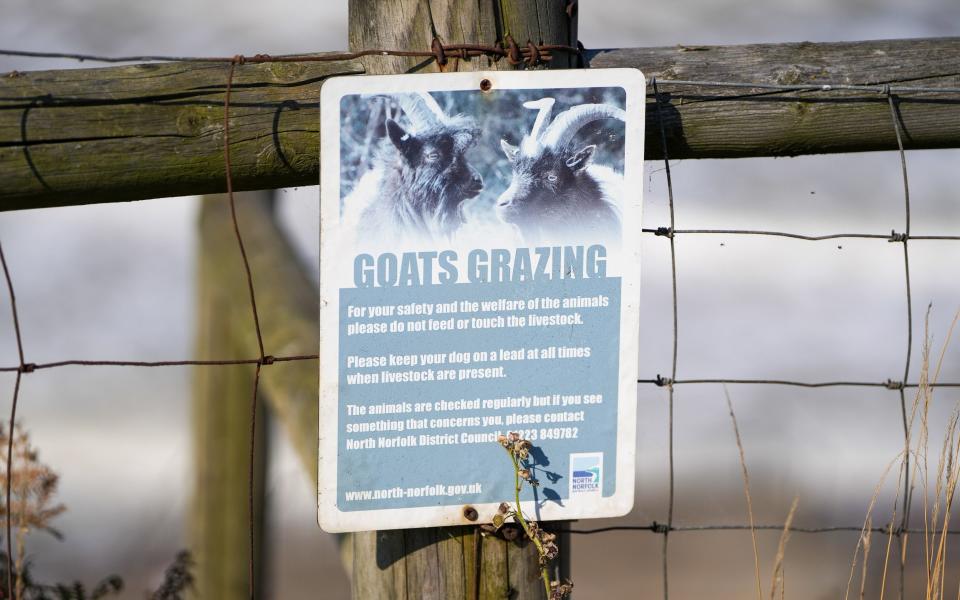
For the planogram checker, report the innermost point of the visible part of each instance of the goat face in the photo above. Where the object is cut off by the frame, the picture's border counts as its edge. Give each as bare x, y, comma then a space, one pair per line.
435, 174
551, 193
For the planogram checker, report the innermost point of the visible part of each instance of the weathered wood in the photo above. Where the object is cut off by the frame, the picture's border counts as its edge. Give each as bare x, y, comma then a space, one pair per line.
430, 563
704, 122
288, 307
156, 130
411, 25
149, 131
219, 521
287, 301
494, 570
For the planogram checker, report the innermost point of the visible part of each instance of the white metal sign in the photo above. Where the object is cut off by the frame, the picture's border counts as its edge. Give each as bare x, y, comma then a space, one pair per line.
480, 272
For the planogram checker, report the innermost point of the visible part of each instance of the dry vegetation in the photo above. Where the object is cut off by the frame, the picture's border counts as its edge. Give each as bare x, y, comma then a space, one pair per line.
32, 508
935, 489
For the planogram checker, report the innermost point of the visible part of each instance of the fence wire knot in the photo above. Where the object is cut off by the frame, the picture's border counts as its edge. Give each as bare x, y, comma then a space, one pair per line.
534, 58
268, 360
664, 232
898, 237
436, 46
663, 381
513, 51
28, 367
893, 385
660, 527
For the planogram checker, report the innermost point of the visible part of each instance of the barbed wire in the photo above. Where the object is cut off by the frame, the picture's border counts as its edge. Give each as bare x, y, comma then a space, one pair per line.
531, 55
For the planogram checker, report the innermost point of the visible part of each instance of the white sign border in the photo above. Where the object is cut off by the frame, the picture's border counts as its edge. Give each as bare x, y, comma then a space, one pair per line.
330, 518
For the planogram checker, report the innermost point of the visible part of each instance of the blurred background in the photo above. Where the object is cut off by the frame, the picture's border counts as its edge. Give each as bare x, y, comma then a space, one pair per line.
117, 282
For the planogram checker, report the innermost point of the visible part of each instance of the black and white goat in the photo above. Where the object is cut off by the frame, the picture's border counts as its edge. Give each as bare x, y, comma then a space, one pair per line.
556, 193
421, 177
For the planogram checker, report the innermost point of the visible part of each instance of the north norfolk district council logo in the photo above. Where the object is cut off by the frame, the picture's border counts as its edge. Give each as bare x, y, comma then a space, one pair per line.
586, 473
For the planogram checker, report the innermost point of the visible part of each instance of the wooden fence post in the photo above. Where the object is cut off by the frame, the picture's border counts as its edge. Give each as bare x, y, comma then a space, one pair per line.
219, 521
442, 563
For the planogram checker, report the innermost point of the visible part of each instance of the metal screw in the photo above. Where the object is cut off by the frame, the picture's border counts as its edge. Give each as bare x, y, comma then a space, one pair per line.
485, 85
470, 513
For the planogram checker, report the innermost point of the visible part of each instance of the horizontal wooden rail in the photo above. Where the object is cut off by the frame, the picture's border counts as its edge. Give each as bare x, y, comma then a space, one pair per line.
156, 130
717, 122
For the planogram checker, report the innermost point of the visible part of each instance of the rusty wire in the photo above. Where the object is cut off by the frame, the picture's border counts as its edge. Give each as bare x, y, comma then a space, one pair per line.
251, 466
530, 55
263, 359
30, 367
13, 416
662, 528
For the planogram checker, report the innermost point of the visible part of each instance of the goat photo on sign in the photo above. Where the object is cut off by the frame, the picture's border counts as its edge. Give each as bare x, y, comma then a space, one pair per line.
521, 167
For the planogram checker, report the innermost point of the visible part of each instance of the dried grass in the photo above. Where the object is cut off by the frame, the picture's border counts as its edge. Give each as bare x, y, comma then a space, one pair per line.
936, 508
778, 576
746, 491
33, 486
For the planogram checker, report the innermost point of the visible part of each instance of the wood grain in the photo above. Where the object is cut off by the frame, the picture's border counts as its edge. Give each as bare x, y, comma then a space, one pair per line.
710, 122
156, 130
150, 131
287, 302
219, 521
432, 562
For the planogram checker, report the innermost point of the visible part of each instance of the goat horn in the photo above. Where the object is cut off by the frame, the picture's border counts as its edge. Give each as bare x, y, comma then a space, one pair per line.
569, 122
544, 106
422, 110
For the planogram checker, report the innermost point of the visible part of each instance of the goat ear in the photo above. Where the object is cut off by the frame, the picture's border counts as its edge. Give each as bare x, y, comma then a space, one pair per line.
581, 159
404, 141
510, 150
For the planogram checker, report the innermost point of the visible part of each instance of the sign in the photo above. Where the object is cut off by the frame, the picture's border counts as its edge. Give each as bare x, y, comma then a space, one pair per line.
479, 275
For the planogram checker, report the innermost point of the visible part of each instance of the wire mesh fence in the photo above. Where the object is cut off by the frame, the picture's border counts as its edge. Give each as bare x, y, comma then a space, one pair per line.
897, 383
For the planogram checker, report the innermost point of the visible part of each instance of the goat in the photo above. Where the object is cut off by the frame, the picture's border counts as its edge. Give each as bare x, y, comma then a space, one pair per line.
557, 194
421, 177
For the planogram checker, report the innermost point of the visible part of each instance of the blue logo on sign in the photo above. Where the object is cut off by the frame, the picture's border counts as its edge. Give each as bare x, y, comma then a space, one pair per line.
591, 474
586, 473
